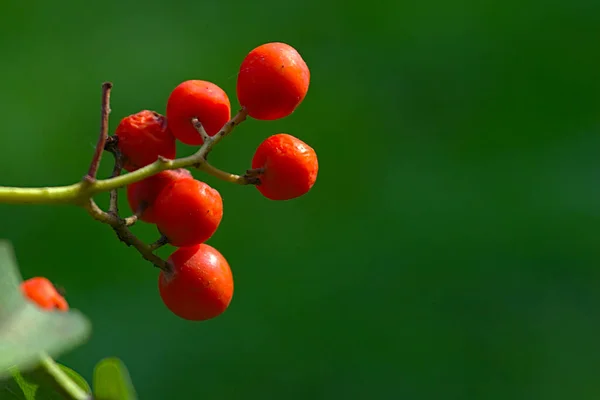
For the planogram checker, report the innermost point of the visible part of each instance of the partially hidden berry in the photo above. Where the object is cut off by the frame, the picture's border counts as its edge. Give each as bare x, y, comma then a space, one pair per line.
142, 195
200, 287
42, 292
200, 99
289, 167
188, 212
273, 80
143, 137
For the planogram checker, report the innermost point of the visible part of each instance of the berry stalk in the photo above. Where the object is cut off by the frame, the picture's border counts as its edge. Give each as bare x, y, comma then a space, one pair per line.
118, 167
79, 193
121, 225
125, 235
93, 170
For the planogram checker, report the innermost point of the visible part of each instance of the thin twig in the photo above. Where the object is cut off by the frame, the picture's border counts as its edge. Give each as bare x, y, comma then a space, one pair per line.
98, 214
200, 129
225, 130
114, 194
131, 240
130, 221
93, 170
120, 225
210, 142
162, 241
222, 175
125, 235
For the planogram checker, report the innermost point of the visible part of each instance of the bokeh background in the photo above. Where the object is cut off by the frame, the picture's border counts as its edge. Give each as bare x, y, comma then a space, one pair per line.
449, 250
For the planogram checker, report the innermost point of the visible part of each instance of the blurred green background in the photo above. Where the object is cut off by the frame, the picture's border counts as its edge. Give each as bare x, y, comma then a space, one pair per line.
449, 250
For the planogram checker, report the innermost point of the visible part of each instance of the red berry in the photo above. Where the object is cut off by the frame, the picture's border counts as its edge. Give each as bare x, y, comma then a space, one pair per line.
188, 212
143, 137
289, 166
144, 192
43, 293
203, 100
273, 81
201, 284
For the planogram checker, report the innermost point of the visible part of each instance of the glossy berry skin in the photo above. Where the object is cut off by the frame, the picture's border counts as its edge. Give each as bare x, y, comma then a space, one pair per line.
273, 81
145, 191
290, 167
143, 137
201, 284
42, 292
203, 100
188, 212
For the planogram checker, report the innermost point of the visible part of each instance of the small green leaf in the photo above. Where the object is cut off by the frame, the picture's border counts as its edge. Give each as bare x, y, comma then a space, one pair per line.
112, 381
25, 329
19, 387
78, 379
36, 385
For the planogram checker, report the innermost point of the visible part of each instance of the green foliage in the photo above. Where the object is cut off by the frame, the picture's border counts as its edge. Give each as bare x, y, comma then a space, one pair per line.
19, 387
29, 335
112, 381
25, 330
35, 385
31, 331
75, 377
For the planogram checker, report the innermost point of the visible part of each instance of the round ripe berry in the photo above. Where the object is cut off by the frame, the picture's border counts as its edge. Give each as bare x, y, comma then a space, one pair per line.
188, 212
142, 138
200, 286
289, 166
203, 100
42, 292
273, 81
144, 193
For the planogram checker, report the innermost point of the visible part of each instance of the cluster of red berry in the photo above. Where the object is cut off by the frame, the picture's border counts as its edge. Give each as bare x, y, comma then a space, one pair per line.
273, 80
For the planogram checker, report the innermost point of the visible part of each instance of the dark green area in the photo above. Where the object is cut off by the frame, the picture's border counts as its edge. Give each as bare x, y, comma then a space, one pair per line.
449, 250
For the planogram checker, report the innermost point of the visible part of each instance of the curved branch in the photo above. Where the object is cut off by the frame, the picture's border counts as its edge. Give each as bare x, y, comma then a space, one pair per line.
80, 192
125, 235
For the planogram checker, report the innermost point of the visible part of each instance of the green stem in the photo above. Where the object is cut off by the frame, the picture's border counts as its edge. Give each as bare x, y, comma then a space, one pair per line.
224, 176
79, 193
44, 195
60, 380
